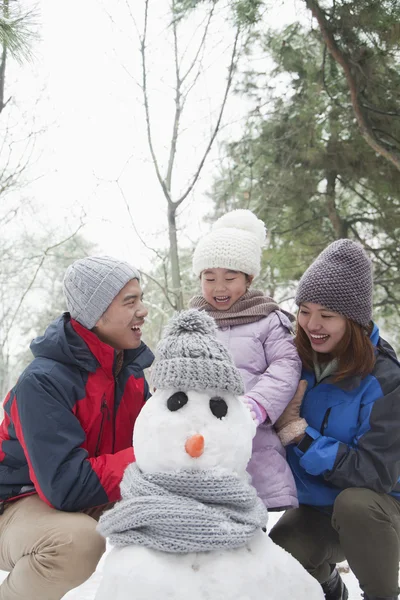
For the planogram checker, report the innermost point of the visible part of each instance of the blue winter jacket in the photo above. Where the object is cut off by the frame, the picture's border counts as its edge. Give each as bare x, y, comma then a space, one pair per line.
355, 424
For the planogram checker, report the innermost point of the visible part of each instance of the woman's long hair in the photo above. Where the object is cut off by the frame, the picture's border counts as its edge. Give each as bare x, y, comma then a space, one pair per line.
355, 353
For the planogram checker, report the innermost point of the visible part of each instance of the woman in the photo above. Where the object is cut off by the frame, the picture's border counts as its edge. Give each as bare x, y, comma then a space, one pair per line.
343, 436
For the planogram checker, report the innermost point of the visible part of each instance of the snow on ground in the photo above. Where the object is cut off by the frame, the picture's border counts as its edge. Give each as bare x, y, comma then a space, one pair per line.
87, 591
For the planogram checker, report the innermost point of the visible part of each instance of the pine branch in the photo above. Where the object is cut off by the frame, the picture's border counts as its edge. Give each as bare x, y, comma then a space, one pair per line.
366, 131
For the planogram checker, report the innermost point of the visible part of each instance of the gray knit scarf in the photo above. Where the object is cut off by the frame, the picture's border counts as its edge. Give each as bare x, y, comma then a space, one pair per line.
253, 306
184, 511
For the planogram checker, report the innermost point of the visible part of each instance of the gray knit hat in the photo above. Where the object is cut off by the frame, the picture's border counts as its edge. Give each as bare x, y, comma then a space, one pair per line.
340, 278
91, 284
189, 357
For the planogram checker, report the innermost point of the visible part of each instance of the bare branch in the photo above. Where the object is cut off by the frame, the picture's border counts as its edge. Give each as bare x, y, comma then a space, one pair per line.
32, 281
160, 256
201, 45
178, 110
143, 41
165, 291
218, 123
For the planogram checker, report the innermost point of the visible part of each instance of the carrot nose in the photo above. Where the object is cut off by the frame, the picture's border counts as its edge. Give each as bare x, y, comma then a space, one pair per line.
195, 445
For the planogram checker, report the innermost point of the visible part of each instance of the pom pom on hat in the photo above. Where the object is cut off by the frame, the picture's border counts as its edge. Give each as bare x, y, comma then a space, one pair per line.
189, 357
234, 242
243, 219
191, 320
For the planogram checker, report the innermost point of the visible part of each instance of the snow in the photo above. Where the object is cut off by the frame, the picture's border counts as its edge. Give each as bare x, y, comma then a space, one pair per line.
160, 435
216, 575
88, 590
159, 441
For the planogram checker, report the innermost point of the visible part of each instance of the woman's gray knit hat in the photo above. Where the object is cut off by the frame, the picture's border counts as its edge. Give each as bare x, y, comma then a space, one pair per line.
189, 357
91, 284
341, 279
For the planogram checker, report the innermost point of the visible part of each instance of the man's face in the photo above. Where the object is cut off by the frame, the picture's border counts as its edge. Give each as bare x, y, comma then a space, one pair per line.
121, 325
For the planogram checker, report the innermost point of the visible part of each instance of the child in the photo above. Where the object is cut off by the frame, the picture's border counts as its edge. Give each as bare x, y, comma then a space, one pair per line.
258, 334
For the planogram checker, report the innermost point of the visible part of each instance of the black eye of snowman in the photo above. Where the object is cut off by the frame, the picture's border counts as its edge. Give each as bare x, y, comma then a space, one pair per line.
176, 401
218, 407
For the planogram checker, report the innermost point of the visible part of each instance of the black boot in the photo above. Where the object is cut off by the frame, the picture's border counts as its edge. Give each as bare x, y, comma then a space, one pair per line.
380, 597
334, 588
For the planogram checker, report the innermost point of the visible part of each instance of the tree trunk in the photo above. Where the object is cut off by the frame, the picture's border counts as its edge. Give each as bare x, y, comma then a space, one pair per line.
339, 226
174, 257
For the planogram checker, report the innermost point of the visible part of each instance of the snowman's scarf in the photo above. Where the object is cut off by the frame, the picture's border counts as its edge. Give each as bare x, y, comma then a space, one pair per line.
184, 511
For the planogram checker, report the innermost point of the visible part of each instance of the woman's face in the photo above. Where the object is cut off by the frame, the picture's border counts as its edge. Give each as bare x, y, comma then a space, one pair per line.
323, 327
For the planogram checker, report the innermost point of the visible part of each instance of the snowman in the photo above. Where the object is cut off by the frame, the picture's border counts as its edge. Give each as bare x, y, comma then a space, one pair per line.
190, 525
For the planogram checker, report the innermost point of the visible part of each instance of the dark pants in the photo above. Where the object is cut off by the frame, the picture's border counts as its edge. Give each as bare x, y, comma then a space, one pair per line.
364, 528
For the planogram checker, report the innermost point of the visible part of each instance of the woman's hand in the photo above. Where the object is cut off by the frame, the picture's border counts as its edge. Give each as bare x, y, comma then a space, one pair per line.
290, 427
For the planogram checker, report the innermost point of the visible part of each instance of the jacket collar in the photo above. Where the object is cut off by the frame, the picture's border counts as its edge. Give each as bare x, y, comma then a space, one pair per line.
350, 383
106, 355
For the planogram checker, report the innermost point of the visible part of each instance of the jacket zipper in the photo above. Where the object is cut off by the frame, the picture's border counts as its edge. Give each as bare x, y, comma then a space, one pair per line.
325, 421
115, 410
104, 409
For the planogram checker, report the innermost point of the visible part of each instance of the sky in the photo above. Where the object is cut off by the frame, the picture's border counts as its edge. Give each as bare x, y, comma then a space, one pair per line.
92, 158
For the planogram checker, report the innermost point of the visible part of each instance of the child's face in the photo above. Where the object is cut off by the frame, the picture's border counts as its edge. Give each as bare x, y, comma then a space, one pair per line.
222, 287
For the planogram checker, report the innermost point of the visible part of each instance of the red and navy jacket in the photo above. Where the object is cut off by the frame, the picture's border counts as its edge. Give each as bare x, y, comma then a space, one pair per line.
68, 422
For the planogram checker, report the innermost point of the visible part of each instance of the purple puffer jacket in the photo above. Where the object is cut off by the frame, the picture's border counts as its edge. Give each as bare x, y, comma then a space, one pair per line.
267, 359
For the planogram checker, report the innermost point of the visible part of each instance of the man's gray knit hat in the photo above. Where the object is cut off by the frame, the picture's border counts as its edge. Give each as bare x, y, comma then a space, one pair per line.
91, 284
341, 279
189, 357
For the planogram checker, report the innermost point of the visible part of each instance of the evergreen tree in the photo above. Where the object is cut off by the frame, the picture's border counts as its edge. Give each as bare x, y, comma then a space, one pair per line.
304, 168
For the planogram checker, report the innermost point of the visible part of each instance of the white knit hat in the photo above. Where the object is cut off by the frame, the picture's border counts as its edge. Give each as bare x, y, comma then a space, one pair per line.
234, 242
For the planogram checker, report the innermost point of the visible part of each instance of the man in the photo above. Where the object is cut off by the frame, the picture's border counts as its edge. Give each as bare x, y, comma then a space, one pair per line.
66, 437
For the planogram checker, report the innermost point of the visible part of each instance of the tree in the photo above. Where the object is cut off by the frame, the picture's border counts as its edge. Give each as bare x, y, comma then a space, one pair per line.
363, 37
35, 295
304, 168
155, 285
188, 35
17, 31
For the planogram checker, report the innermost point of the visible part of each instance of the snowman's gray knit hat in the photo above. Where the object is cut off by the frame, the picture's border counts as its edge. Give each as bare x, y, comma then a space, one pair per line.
189, 357
91, 284
340, 278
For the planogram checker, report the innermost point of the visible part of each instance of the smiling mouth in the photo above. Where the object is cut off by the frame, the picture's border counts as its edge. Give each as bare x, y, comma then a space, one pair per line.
319, 338
137, 328
222, 298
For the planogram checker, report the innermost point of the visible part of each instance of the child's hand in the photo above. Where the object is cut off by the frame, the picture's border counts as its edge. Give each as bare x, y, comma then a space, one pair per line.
257, 412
